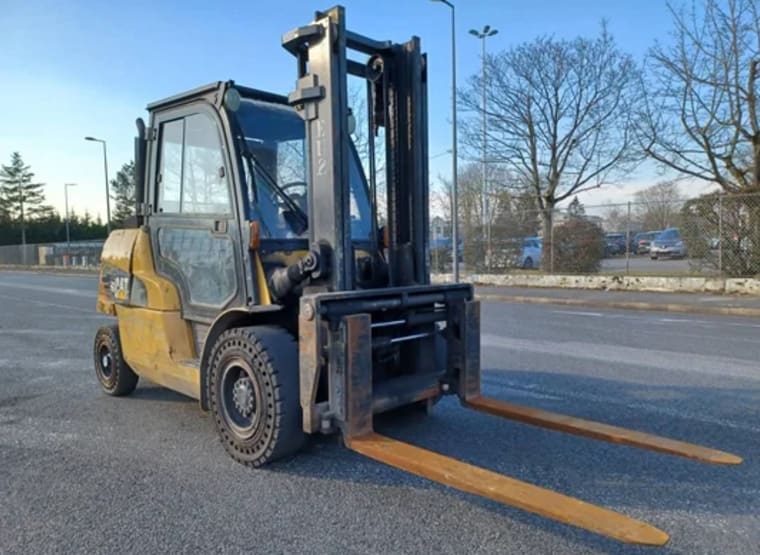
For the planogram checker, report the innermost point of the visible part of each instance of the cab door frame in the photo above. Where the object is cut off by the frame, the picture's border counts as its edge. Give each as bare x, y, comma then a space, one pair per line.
219, 226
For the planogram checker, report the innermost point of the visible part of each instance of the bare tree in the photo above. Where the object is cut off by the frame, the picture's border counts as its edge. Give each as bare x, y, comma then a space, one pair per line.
561, 115
658, 207
616, 218
702, 115
511, 216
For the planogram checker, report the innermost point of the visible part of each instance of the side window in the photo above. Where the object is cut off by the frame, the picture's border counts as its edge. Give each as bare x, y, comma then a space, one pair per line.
192, 178
170, 176
204, 183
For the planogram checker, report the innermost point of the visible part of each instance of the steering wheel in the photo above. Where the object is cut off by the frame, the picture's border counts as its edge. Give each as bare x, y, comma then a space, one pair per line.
300, 202
293, 185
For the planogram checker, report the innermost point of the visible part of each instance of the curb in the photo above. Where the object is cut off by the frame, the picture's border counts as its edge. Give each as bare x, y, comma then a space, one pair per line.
629, 305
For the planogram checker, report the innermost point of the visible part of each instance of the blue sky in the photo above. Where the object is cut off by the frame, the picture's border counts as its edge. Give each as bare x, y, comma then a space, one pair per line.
85, 67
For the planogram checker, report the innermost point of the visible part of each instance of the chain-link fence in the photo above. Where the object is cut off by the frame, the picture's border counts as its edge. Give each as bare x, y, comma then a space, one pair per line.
714, 234
75, 254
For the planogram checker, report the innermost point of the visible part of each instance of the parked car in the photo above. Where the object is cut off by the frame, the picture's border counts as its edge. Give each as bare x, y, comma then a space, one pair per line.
530, 253
642, 242
667, 243
615, 244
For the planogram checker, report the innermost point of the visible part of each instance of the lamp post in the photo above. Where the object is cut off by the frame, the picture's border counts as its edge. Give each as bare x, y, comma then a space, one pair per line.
483, 35
68, 217
454, 188
105, 168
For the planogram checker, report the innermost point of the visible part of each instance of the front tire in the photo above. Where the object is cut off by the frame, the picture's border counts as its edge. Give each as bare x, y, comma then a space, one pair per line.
528, 264
254, 394
114, 374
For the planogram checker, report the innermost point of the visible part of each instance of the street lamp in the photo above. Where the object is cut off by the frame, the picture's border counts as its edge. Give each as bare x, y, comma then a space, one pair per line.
454, 188
105, 167
483, 35
68, 217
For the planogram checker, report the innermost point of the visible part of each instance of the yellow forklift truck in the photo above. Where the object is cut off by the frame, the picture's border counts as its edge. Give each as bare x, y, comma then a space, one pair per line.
257, 277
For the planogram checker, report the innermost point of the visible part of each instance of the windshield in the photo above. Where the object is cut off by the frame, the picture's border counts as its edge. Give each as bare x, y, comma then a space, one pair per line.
669, 235
276, 173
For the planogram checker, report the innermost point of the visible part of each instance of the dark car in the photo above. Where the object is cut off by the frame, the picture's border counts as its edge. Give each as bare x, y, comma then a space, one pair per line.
614, 244
667, 243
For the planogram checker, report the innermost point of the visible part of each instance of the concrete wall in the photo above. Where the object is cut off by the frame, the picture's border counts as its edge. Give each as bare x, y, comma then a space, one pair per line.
743, 286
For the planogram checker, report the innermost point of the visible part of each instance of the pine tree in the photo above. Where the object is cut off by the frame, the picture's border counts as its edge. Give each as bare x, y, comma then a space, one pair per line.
575, 209
5, 214
21, 199
123, 193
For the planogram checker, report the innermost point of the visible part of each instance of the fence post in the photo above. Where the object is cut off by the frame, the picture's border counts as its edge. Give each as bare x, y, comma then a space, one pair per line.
720, 233
628, 240
551, 244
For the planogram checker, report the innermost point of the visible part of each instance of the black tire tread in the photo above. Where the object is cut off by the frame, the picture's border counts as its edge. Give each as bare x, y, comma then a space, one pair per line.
125, 380
278, 352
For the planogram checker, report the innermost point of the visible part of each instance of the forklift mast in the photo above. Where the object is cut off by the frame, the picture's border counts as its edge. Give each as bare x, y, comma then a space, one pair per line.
396, 78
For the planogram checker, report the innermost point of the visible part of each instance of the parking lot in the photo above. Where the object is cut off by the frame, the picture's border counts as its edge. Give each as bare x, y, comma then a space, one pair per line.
84, 473
642, 264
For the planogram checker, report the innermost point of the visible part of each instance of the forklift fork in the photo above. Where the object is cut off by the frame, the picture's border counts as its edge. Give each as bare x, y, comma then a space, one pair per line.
463, 379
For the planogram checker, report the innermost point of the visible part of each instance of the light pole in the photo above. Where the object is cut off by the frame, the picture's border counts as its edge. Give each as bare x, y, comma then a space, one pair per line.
483, 35
105, 168
454, 188
68, 217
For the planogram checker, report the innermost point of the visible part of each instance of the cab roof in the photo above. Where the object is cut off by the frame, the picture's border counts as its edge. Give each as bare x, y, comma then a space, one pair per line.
213, 92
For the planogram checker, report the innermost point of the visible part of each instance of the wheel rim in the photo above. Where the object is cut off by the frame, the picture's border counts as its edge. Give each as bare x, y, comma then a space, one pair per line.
106, 361
241, 401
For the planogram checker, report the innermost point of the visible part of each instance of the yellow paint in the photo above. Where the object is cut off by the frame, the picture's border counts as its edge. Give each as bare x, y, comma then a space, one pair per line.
129, 250
285, 258
162, 293
158, 345
261, 281
117, 252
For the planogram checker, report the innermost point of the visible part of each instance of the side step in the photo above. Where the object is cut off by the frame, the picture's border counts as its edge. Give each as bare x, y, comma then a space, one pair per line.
597, 430
471, 479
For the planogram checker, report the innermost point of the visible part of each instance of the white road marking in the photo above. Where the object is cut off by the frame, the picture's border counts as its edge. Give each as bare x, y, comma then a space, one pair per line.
47, 289
54, 305
32, 331
578, 313
616, 354
740, 325
679, 320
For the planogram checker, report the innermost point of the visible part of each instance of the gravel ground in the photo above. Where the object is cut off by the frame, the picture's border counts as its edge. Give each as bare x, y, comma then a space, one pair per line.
82, 472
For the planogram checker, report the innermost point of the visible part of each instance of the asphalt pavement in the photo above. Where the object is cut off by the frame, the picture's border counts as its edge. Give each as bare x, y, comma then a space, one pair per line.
81, 472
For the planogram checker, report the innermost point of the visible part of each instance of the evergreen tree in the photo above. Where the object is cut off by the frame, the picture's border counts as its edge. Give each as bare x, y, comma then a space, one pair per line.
5, 215
123, 193
575, 209
21, 199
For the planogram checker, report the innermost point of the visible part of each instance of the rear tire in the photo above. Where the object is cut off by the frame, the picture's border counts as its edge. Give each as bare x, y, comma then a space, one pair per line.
254, 394
528, 264
114, 374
